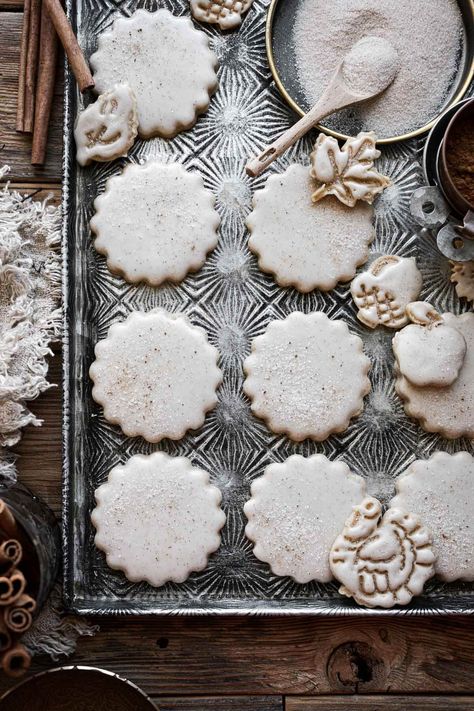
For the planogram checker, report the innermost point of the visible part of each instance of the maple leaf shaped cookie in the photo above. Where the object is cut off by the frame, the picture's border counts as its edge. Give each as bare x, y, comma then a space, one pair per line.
347, 172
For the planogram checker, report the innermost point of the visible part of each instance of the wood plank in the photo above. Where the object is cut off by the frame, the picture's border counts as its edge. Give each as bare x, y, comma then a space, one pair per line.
11, 5
380, 703
220, 703
39, 450
38, 191
16, 147
264, 656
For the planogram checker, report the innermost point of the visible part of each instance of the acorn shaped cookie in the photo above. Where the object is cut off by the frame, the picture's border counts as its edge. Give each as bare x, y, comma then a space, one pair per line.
225, 13
383, 292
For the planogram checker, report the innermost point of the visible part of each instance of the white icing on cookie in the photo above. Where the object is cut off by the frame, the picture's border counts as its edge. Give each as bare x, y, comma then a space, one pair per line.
382, 563
462, 274
385, 289
167, 63
307, 376
155, 375
225, 13
428, 351
303, 244
155, 222
448, 410
440, 490
157, 518
348, 173
106, 129
296, 510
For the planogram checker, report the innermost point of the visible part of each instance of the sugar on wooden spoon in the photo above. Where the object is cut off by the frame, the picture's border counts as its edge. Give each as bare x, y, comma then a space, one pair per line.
368, 68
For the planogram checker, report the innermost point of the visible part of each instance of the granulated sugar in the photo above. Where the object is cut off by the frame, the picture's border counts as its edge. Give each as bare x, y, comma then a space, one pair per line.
370, 65
426, 34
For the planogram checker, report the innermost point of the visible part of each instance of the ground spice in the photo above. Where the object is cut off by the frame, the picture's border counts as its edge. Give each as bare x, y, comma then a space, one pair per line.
460, 155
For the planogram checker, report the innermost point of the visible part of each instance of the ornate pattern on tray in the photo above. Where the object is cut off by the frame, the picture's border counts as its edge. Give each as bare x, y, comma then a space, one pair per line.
234, 302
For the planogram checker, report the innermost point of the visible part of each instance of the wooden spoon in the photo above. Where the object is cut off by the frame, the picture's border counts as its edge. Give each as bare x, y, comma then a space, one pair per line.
338, 95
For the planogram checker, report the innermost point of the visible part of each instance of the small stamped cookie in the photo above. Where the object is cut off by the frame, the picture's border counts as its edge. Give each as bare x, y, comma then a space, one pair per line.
448, 410
428, 351
106, 129
296, 510
462, 275
225, 13
157, 518
302, 244
166, 62
155, 222
155, 375
440, 490
385, 289
382, 563
307, 376
348, 173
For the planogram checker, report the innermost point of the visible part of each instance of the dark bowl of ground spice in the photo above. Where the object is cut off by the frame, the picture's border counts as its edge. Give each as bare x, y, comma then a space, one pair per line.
456, 160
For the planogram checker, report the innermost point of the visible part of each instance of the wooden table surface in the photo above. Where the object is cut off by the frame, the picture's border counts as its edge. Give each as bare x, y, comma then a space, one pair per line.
237, 664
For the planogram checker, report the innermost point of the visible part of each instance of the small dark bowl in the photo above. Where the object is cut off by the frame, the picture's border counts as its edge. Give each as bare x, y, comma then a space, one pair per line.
457, 200
76, 688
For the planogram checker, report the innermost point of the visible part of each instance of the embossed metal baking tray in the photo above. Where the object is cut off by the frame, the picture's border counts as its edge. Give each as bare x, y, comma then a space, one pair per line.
233, 301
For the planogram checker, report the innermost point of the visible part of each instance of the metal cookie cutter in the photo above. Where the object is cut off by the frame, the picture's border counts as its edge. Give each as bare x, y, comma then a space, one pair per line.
430, 210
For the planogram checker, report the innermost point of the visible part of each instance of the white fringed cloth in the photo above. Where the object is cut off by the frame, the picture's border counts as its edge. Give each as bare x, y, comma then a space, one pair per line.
30, 320
30, 317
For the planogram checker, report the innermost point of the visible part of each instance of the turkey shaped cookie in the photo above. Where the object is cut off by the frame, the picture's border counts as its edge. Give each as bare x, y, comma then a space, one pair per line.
382, 563
429, 352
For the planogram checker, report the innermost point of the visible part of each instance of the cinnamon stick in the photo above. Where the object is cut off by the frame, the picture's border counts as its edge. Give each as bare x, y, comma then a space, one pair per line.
18, 584
17, 619
71, 46
16, 660
7, 521
6, 590
25, 32
45, 87
31, 65
26, 601
5, 637
11, 552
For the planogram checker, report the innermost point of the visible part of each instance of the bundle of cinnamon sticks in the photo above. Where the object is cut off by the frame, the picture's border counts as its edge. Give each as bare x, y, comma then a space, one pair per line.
43, 22
16, 605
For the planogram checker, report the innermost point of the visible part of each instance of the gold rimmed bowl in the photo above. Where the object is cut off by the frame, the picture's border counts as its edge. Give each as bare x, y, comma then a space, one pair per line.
282, 61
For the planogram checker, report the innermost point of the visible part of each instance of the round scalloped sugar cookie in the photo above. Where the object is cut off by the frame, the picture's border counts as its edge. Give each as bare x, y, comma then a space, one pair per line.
296, 510
155, 375
166, 62
303, 244
155, 222
448, 410
440, 490
307, 376
157, 518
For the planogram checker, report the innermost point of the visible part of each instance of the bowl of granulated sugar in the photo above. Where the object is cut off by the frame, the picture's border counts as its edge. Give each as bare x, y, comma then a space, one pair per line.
433, 45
